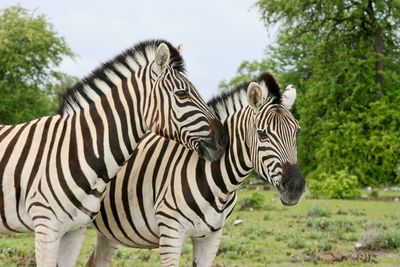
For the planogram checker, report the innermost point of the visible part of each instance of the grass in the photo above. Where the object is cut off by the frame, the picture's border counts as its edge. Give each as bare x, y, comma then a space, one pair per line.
312, 233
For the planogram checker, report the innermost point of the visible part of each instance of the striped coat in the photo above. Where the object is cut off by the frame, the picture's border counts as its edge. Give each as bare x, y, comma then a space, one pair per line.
166, 193
54, 170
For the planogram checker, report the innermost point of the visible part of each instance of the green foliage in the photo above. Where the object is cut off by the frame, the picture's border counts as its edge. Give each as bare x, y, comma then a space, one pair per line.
348, 87
381, 239
285, 239
29, 51
338, 185
374, 193
246, 71
318, 211
297, 241
256, 201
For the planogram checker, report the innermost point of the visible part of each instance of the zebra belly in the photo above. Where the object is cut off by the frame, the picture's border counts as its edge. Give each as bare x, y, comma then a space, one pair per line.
128, 221
14, 217
16, 221
130, 233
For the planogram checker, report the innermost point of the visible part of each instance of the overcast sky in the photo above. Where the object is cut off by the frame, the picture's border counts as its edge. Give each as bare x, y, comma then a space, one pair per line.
217, 35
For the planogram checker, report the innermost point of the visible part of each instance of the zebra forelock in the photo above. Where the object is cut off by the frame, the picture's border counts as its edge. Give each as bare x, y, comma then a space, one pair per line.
79, 95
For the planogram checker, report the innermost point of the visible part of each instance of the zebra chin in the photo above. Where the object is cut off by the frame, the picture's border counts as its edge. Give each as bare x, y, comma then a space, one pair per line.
289, 200
292, 185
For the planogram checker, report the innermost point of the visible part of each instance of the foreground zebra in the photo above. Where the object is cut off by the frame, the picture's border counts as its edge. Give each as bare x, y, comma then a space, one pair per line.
166, 193
49, 167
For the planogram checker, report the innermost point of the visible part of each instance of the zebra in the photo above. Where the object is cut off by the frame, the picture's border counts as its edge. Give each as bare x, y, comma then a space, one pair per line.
54, 170
166, 193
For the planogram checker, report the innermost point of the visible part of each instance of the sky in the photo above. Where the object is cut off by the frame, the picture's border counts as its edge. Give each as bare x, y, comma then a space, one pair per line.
217, 35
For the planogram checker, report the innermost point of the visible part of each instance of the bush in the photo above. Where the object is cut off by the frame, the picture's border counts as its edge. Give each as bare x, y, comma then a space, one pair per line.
363, 143
320, 224
381, 240
256, 201
297, 242
318, 211
374, 193
340, 184
30, 50
324, 245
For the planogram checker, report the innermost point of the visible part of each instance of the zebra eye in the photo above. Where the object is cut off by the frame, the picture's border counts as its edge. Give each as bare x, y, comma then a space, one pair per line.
182, 94
262, 135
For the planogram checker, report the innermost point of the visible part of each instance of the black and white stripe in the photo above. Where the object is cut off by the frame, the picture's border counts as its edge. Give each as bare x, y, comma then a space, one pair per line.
166, 193
54, 170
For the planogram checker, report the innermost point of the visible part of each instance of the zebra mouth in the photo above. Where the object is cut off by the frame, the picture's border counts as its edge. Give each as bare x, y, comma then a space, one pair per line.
211, 150
291, 195
289, 203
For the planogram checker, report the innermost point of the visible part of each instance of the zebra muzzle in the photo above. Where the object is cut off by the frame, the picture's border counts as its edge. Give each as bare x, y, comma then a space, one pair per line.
214, 147
292, 185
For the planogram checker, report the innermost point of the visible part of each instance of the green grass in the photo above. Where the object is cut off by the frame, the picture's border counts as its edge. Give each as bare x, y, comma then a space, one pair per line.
312, 233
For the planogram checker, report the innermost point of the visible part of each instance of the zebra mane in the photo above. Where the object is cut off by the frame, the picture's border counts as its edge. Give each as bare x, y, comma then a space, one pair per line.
72, 96
230, 101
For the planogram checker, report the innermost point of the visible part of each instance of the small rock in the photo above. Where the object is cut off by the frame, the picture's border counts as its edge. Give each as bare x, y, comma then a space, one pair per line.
237, 222
357, 245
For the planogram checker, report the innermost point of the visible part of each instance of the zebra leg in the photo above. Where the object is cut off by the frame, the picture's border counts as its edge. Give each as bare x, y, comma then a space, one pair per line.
46, 247
70, 246
170, 248
103, 252
205, 249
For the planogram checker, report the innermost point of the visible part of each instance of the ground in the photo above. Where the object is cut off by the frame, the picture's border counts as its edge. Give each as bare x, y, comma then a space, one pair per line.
316, 232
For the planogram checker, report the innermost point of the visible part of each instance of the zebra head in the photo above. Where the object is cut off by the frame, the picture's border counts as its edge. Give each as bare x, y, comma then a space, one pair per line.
273, 134
179, 112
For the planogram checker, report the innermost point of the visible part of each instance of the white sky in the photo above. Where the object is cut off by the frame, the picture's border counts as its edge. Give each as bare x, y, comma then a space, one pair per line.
216, 35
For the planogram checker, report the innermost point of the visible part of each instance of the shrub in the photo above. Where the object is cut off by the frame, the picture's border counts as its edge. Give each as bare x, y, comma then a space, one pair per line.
338, 185
144, 255
297, 242
231, 249
256, 201
320, 224
318, 211
374, 193
379, 240
324, 245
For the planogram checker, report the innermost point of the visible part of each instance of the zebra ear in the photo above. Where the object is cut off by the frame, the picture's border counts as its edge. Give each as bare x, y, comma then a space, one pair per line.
162, 57
289, 96
254, 95
179, 48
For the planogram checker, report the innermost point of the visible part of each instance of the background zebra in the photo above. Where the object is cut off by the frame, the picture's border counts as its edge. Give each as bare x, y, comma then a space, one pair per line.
54, 170
166, 193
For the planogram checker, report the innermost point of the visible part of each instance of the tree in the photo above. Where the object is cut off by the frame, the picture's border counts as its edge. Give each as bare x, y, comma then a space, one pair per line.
30, 49
344, 58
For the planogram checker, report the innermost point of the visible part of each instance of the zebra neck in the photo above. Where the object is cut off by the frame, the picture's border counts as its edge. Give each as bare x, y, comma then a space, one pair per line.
109, 134
237, 159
